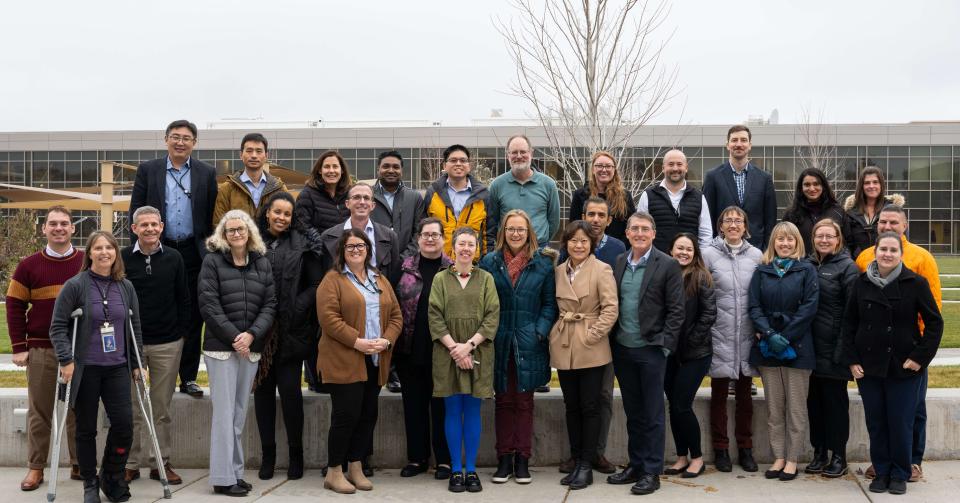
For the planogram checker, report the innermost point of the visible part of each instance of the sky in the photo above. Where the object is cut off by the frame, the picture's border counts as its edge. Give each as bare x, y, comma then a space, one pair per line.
109, 65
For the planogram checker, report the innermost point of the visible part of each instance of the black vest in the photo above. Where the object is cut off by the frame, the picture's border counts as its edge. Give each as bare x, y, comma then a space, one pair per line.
669, 221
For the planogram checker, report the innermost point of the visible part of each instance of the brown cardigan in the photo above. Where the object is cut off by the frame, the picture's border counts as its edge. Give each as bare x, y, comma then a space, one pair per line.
342, 314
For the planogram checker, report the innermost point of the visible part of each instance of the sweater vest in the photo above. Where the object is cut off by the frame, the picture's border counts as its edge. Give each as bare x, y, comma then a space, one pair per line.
670, 222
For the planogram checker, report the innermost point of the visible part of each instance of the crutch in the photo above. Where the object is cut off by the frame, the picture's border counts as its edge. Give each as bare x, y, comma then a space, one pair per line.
146, 408
59, 424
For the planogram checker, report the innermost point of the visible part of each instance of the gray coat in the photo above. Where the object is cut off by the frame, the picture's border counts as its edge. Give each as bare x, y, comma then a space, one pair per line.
74, 295
732, 333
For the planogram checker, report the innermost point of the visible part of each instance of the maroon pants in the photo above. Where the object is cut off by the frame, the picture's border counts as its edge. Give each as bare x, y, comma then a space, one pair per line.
514, 418
743, 416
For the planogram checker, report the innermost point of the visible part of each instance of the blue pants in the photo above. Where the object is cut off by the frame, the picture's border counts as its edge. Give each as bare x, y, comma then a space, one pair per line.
462, 426
920, 421
889, 405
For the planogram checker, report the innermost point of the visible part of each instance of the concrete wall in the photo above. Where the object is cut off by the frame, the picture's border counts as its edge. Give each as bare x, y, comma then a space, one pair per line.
192, 427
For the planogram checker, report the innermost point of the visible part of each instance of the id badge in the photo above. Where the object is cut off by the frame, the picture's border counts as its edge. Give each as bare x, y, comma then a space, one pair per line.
108, 338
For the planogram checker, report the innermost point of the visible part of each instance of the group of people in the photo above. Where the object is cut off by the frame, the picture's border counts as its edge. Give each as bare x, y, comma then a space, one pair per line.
459, 292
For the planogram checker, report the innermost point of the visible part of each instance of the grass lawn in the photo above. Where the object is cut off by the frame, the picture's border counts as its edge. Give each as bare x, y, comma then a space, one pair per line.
4, 335
948, 264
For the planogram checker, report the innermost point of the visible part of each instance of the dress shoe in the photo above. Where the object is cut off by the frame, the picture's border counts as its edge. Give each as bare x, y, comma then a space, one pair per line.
192, 388
234, 490
472, 483
245, 485
772, 474
456, 483
870, 472
565, 481
130, 475
582, 477
897, 486
646, 485
879, 484
693, 475
442, 472
786, 477
567, 465
75, 472
172, 477
521, 470
916, 473
721, 460
91, 491
413, 469
542, 389
818, 463
268, 461
32, 481
295, 467
629, 475
745, 460
504, 469
603, 465
836, 468
356, 477
676, 471
393, 382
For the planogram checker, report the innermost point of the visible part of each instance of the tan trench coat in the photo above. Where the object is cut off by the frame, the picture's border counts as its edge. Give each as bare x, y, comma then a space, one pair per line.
588, 310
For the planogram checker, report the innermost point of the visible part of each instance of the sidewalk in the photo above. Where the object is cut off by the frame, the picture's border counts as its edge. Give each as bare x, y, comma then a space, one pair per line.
941, 484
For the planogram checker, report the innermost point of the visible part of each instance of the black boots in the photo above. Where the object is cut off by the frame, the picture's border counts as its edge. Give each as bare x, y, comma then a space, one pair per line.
521, 469
837, 467
818, 462
295, 468
91, 491
721, 459
504, 469
745, 460
112, 481
268, 461
582, 476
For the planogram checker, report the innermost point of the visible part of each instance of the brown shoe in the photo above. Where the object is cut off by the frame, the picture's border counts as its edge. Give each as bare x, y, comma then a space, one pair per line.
870, 473
131, 475
567, 465
172, 477
32, 481
75, 472
916, 473
604, 465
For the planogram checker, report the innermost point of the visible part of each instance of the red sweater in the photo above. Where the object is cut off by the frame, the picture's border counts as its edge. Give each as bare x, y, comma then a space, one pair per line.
34, 286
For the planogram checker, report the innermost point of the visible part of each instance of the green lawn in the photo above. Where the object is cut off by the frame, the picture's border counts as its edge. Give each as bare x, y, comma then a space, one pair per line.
948, 264
4, 336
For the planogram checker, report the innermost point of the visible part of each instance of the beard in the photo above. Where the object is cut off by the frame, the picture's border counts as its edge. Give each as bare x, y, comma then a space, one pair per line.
521, 166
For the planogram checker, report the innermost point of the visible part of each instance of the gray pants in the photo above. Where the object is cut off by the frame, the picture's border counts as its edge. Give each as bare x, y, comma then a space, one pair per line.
606, 408
230, 383
785, 391
163, 362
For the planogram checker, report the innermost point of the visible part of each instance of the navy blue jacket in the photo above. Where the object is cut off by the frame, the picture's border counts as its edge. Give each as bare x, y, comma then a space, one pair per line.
786, 306
527, 313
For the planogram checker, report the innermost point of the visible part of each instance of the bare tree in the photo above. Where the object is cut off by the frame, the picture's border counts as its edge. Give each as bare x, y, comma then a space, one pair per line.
18, 238
816, 148
594, 74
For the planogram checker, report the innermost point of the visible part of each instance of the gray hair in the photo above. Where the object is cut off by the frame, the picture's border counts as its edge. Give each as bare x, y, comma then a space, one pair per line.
217, 242
146, 210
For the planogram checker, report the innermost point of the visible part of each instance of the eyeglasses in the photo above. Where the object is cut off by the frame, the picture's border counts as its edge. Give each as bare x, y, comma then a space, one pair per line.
355, 247
458, 160
733, 221
638, 228
361, 197
604, 167
175, 138
430, 236
822, 237
518, 152
516, 230
239, 231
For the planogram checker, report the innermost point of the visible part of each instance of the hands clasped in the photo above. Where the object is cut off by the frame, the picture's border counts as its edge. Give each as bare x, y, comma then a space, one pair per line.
371, 346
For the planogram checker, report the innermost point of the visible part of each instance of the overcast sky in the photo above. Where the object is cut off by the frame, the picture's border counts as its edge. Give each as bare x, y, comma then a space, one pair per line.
93, 65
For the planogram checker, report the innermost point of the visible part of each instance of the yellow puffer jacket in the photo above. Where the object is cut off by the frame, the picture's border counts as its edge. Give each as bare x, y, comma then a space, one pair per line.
473, 215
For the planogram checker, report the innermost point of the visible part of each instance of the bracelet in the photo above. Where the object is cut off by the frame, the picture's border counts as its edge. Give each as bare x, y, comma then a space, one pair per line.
472, 343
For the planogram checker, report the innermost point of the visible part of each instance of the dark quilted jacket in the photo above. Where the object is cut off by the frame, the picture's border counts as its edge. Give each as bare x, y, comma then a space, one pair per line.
316, 212
236, 299
787, 306
836, 274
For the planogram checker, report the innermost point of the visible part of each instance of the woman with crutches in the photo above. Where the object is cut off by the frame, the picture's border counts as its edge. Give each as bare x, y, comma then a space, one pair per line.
99, 361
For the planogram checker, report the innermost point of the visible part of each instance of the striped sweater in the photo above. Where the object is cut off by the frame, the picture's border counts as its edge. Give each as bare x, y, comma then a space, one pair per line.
31, 295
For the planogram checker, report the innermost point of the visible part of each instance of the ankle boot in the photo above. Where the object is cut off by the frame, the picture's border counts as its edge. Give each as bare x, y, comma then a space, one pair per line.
504, 469
267, 462
818, 462
335, 481
837, 466
721, 459
357, 478
745, 460
91, 491
521, 469
582, 476
295, 468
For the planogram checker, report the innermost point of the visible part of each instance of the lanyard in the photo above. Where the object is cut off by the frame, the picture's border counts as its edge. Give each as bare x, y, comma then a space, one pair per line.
369, 286
103, 298
179, 181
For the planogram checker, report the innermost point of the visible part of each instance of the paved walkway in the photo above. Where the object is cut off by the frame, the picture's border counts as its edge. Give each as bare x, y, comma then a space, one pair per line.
942, 483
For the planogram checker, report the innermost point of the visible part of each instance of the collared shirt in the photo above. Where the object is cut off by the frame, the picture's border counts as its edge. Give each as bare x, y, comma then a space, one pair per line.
639, 263
740, 177
371, 297
572, 271
390, 196
65, 254
704, 229
256, 191
158, 249
179, 217
368, 230
458, 198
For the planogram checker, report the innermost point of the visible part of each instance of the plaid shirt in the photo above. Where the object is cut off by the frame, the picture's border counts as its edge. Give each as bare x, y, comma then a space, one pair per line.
740, 177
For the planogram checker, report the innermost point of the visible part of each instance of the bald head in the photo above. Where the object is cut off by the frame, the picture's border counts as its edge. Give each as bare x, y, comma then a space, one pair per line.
674, 168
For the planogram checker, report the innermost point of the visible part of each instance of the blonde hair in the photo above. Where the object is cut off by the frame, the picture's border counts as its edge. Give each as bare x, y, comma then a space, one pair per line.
783, 228
615, 195
217, 242
827, 222
531, 247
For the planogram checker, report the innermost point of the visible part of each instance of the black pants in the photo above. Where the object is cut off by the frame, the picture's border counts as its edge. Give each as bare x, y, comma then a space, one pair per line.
828, 409
422, 413
285, 377
681, 384
889, 405
640, 372
581, 399
353, 418
190, 358
110, 385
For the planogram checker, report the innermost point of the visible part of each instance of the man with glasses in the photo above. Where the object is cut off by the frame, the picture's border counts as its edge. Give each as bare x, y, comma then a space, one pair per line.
676, 205
184, 190
160, 280
522, 188
385, 255
30, 298
250, 188
396, 206
737, 182
458, 199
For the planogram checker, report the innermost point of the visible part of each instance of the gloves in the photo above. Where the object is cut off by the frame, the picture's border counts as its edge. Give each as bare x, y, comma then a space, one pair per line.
777, 343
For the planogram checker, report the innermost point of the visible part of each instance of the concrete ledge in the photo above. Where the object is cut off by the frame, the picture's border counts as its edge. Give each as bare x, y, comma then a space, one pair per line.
191, 423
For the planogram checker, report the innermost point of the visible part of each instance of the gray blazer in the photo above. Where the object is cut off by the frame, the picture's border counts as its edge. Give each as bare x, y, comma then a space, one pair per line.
387, 249
408, 210
661, 299
74, 295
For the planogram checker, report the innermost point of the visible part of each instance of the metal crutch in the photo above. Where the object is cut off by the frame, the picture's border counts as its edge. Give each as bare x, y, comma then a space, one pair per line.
146, 408
59, 424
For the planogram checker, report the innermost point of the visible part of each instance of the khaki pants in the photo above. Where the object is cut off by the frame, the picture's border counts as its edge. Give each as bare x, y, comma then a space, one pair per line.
163, 363
785, 390
41, 388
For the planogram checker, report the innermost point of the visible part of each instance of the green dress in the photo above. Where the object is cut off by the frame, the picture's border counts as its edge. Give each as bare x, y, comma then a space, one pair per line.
462, 312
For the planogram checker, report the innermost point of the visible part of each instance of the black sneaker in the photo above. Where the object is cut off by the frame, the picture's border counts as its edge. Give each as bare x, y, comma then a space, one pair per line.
473, 482
456, 484
880, 484
897, 486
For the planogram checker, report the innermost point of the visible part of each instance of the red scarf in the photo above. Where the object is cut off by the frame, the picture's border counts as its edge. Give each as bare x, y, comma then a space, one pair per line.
515, 264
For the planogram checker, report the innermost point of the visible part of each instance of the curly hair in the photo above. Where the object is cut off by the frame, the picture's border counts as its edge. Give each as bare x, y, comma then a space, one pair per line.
217, 242
615, 194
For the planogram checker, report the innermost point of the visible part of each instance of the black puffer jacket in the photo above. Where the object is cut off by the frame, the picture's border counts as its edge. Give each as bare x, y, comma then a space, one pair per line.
805, 219
296, 273
859, 234
316, 212
236, 299
701, 311
836, 274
